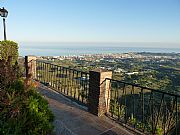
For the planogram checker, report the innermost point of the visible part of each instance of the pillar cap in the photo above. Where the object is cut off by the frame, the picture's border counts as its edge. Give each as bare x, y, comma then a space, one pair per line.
31, 56
100, 70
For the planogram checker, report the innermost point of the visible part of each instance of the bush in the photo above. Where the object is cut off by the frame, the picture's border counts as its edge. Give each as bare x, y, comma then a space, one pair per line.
9, 48
22, 110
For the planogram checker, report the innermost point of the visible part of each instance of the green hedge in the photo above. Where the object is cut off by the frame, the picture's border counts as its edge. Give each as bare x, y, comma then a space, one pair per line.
9, 48
24, 112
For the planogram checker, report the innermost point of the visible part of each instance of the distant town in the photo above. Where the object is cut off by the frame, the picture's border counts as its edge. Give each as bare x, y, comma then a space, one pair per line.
155, 70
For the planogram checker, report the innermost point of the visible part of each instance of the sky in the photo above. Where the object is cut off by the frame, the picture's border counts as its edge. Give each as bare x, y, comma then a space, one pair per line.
94, 21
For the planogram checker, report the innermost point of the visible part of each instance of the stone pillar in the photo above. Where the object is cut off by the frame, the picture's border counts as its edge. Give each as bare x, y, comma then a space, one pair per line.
30, 65
99, 92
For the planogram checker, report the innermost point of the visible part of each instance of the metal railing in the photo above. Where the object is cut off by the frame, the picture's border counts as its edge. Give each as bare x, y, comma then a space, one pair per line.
70, 82
143, 109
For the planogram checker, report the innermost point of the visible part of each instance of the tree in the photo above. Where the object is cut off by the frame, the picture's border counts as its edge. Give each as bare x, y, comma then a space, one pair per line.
9, 48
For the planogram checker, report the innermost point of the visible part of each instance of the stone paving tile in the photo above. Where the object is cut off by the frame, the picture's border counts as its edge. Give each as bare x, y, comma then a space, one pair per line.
109, 132
87, 129
119, 131
71, 119
97, 122
74, 123
62, 130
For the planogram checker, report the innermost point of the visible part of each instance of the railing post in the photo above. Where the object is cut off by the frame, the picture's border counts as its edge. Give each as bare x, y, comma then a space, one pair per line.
30, 66
99, 92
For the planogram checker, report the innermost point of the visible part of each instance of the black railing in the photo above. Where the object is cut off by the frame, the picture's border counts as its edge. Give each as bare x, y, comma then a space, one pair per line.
70, 82
139, 108
144, 109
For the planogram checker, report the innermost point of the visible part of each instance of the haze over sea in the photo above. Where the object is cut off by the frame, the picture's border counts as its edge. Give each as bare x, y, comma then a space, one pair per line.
64, 49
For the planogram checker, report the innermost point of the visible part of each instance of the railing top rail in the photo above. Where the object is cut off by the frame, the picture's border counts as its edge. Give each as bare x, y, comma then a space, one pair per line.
136, 85
48, 62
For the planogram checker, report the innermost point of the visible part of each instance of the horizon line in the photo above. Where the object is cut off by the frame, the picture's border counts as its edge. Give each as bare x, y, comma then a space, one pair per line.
98, 42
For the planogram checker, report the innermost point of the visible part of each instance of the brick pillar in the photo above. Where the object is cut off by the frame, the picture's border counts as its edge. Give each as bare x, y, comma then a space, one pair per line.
30, 65
99, 92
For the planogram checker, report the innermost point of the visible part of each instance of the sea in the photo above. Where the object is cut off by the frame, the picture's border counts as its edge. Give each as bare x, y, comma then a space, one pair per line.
75, 50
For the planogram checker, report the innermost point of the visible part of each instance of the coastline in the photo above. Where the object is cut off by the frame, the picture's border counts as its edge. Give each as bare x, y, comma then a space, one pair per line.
70, 51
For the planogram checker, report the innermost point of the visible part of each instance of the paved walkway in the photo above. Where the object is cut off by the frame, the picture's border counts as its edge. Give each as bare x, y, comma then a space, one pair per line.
73, 119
